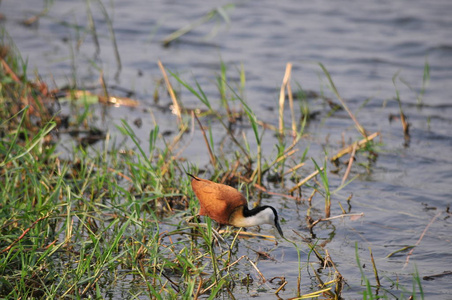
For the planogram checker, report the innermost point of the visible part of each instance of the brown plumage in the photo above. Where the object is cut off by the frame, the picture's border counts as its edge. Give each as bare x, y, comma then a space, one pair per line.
218, 201
227, 206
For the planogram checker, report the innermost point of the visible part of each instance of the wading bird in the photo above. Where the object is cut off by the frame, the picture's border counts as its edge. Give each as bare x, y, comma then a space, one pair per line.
227, 206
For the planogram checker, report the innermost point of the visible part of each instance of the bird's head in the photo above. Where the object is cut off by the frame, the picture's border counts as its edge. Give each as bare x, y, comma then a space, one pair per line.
259, 216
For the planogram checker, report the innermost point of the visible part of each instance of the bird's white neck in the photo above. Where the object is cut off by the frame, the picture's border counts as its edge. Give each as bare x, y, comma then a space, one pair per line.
265, 216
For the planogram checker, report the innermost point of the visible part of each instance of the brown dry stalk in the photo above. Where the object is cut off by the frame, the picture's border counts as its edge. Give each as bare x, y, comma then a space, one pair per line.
184, 128
351, 216
350, 163
349, 149
377, 278
314, 191
117, 173
292, 114
352, 116
104, 87
176, 106
198, 290
24, 233
405, 126
112, 100
178, 138
91, 284
281, 287
234, 263
431, 277
9, 71
294, 168
250, 234
284, 156
257, 270
421, 237
212, 157
209, 287
404, 123
282, 97
266, 125
310, 176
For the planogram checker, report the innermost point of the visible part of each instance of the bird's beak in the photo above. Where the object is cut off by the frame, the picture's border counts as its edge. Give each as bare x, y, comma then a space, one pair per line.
279, 229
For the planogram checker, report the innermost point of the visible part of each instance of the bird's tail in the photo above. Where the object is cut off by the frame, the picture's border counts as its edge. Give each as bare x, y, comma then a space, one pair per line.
194, 177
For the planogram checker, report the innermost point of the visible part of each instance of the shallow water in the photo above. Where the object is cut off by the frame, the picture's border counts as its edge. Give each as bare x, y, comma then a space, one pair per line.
363, 45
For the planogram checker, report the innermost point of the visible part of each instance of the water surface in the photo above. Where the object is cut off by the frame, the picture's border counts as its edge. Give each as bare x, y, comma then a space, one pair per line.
362, 44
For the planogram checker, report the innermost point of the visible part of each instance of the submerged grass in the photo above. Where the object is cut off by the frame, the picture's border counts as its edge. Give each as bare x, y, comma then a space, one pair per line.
378, 291
84, 224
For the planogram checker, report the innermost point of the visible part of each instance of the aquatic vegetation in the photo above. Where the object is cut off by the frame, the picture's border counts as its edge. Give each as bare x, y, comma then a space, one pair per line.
107, 216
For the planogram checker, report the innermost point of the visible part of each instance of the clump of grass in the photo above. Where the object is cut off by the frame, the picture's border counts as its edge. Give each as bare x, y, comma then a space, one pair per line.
358, 126
327, 194
220, 12
403, 119
78, 226
378, 291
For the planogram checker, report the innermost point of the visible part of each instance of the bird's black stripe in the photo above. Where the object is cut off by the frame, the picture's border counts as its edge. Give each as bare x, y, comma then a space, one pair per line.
252, 212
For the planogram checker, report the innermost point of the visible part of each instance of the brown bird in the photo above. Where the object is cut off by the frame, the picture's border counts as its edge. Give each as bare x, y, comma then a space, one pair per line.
227, 206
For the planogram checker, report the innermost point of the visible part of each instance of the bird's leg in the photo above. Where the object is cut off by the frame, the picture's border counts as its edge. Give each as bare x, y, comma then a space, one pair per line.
217, 237
215, 233
232, 244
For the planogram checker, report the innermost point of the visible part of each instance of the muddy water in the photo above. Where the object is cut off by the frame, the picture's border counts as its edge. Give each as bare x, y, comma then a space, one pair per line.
362, 44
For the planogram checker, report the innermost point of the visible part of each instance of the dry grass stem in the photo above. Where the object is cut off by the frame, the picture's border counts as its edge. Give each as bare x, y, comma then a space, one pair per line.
281, 287
119, 174
266, 125
351, 216
280, 194
33, 19
211, 155
282, 157
24, 233
292, 113
198, 290
250, 234
181, 133
431, 277
257, 269
314, 191
404, 124
9, 71
309, 177
103, 85
350, 163
315, 294
234, 263
112, 100
377, 278
349, 149
282, 97
294, 168
420, 238
176, 107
